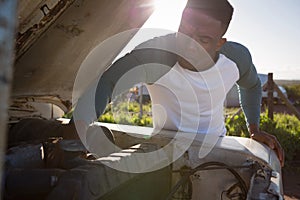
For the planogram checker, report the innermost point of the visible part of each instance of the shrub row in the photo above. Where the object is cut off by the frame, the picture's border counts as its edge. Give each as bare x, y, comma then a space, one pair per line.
285, 127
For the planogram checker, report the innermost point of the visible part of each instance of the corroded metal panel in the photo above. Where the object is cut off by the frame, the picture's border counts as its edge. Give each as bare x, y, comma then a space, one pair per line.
49, 67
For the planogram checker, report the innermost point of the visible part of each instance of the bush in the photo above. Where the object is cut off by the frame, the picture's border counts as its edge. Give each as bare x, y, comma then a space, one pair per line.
293, 92
285, 127
236, 126
287, 130
127, 113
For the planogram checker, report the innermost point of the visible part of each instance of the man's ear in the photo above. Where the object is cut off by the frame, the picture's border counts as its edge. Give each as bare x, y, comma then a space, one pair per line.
220, 43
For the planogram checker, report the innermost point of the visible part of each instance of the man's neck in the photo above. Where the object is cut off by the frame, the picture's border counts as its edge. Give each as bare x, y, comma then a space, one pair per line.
187, 65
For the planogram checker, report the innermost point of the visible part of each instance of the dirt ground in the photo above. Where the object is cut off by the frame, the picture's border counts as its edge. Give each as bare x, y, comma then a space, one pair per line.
291, 177
291, 184
291, 180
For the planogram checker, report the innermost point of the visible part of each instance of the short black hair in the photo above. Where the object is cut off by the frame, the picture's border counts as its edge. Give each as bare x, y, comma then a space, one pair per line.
220, 10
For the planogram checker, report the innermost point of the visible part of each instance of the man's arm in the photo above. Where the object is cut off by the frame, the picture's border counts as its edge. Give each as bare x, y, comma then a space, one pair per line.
249, 87
145, 65
149, 61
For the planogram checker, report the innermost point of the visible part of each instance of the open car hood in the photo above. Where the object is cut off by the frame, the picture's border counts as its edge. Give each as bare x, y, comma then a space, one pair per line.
56, 36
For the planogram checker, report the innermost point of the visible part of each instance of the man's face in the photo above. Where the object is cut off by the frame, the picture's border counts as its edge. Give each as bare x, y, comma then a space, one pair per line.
204, 29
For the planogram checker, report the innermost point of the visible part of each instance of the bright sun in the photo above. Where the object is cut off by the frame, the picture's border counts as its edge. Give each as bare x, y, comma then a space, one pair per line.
167, 14
164, 20
162, 4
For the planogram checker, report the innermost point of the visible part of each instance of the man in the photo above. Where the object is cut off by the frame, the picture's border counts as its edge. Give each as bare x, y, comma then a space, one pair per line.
205, 22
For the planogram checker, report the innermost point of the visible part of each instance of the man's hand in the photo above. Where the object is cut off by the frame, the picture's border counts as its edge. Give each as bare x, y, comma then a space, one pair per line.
269, 140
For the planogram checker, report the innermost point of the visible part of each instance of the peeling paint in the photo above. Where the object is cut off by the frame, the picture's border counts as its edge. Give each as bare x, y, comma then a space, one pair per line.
72, 30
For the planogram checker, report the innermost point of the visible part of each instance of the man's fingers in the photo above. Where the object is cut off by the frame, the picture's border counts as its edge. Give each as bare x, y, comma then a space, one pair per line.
272, 142
279, 152
277, 148
263, 138
280, 155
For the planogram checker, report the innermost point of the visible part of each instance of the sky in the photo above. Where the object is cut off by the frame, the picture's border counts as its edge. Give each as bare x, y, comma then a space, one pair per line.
270, 29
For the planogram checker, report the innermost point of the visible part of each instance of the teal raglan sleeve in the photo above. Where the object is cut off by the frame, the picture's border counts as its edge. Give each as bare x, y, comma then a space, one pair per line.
249, 84
147, 62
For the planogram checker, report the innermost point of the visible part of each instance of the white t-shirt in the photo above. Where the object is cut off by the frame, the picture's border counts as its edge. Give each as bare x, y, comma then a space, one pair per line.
191, 101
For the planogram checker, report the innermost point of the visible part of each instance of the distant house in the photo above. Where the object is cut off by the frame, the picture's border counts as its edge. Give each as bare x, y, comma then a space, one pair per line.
142, 92
232, 98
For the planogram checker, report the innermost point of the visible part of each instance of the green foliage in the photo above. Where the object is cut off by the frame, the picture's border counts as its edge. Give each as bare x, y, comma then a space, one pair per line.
293, 92
107, 117
289, 123
236, 126
285, 127
287, 130
127, 113
68, 115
